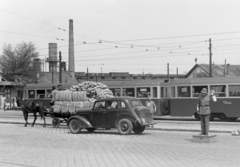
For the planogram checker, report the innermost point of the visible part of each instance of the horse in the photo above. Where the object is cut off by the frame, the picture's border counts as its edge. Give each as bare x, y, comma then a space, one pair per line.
32, 106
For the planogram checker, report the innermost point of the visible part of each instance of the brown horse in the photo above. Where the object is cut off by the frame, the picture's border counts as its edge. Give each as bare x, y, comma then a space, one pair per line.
32, 106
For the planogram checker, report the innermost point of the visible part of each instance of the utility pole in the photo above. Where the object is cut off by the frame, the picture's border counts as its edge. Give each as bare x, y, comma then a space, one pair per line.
87, 74
210, 58
177, 72
168, 70
60, 67
52, 75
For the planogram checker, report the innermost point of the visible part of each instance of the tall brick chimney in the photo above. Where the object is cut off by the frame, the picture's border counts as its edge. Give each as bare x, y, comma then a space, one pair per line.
71, 62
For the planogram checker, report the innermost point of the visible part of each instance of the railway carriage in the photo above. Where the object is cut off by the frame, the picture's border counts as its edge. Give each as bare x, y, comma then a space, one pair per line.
182, 96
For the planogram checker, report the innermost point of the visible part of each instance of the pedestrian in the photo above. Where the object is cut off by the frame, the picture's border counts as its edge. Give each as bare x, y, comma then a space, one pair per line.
151, 105
204, 109
59, 87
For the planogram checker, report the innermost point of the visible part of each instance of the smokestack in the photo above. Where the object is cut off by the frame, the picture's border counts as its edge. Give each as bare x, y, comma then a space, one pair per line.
52, 57
71, 63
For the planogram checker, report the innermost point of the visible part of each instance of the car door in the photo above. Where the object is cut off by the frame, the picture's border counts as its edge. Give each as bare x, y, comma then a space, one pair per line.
112, 111
99, 114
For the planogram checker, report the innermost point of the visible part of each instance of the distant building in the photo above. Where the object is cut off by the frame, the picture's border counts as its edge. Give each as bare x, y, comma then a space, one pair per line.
53, 77
202, 71
121, 76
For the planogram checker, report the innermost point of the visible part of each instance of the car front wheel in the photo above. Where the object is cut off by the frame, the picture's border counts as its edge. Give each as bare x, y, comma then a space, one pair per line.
125, 127
74, 126
138, 130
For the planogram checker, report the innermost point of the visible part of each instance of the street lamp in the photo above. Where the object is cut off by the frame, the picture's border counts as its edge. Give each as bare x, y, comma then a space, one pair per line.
101, 68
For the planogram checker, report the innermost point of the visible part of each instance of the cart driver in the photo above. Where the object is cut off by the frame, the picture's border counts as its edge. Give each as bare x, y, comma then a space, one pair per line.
54, 92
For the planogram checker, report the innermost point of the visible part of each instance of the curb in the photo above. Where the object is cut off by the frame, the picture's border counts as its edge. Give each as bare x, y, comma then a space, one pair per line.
189, 130
160, 129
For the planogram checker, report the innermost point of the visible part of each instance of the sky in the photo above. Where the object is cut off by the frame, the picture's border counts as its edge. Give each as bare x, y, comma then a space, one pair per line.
135, 36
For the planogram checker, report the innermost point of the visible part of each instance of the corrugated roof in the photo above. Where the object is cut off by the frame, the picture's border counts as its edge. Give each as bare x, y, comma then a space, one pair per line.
218, 70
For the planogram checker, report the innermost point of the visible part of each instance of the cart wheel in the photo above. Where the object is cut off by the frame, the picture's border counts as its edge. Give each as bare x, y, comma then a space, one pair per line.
56, 122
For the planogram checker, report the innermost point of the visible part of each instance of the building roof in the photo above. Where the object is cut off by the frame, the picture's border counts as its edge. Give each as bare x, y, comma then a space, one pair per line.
217, 70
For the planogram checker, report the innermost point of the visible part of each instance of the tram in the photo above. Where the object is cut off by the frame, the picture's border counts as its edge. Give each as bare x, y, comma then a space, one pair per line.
139, 89
182, 97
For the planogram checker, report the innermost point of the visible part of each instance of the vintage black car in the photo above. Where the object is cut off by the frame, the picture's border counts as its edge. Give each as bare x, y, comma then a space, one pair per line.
127, 114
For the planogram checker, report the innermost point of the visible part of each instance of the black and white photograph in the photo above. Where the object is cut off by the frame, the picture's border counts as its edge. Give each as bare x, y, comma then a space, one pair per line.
123, 83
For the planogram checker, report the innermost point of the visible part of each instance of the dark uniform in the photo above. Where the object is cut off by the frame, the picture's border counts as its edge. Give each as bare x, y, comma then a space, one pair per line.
204, 110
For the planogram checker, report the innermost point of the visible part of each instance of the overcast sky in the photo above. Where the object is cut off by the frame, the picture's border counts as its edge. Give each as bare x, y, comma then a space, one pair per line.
136, 35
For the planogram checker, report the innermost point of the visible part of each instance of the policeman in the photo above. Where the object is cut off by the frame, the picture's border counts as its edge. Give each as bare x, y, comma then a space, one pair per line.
204, 109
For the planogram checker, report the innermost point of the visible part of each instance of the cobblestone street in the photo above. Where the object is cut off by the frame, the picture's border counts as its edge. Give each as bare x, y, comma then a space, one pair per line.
54, 147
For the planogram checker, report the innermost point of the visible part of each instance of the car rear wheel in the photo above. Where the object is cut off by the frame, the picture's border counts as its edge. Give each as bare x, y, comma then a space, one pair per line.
125, 127
74, 126
138, 130
90, 130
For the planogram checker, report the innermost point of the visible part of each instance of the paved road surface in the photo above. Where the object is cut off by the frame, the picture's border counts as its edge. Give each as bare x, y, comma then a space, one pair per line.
56, 147
163, 122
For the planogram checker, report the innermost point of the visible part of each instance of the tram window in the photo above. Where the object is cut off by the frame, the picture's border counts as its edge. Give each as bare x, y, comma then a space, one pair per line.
41, 93
116, 91
220, 90
164, 92
31, 93
128, 92
143, 92
234, 90
49, 93
196, 90
183, 91
154, 92
172, 91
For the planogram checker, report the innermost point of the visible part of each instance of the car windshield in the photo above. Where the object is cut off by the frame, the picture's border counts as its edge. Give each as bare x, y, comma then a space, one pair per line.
136, 103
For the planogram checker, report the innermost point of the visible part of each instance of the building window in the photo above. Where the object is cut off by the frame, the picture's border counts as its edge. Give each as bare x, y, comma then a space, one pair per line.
7, 93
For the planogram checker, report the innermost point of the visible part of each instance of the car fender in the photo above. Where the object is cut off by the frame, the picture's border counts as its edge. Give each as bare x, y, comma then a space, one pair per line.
84, 122
131, 118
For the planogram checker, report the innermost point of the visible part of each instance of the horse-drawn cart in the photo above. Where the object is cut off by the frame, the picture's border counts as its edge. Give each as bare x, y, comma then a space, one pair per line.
57, 118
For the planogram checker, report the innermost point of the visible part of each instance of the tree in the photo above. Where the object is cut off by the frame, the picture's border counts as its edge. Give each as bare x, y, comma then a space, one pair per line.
18, 64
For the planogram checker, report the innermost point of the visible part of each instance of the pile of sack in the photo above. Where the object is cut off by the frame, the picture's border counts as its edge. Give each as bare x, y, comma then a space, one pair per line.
95, 90
236, 132
80, 97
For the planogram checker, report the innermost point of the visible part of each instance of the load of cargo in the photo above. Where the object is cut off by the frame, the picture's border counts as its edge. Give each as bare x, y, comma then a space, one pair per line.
80, 97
